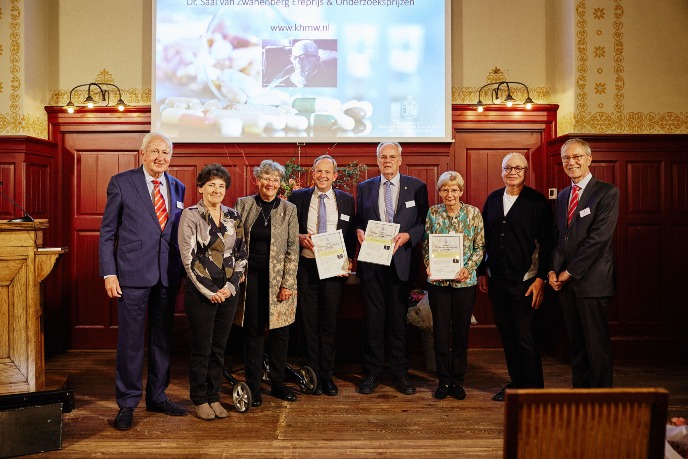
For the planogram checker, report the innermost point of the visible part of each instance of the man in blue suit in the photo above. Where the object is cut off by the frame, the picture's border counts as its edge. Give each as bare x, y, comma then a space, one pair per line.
390, 197
582, 268
140, 262
319, 299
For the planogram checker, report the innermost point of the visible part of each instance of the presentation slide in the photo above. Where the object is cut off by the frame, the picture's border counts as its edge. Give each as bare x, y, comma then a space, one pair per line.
304, 70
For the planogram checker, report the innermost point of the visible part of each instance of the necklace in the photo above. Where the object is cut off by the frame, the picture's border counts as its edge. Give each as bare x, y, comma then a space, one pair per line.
266, 220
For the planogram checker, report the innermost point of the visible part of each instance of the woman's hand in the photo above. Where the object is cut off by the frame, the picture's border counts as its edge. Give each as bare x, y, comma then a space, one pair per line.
284, 294
463, 275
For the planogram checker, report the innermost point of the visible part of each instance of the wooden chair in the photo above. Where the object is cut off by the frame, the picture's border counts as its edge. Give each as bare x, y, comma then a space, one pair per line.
585, 423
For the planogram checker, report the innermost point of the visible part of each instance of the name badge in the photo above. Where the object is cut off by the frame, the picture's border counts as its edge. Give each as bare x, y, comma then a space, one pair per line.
410, 204
584, 212
180, 205
344, 217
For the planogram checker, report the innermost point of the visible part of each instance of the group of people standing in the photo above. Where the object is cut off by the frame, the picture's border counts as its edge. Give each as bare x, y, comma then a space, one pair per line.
252, 264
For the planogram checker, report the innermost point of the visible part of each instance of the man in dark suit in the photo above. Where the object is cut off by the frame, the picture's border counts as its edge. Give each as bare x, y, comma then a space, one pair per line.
582, 269
518, 235
397, 198
322, 209
139, 259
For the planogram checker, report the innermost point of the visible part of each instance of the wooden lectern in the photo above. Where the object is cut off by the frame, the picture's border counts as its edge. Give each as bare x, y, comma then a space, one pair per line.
23, 265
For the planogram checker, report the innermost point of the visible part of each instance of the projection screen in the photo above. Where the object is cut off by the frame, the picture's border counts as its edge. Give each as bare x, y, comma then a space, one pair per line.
301, 70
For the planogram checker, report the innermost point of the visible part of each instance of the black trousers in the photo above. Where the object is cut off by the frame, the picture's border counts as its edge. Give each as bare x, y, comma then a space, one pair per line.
157, 303
256, 318
318, 305
210, 324
451, 319
589, 342
386, 302
516, 319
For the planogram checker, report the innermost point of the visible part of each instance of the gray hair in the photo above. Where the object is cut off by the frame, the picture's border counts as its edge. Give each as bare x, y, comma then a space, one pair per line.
269, 167
321, 157
148, 138
514, 154
388, 142
577, 142
451, 177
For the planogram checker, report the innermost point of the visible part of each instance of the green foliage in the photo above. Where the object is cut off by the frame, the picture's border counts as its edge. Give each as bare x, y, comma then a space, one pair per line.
297, 177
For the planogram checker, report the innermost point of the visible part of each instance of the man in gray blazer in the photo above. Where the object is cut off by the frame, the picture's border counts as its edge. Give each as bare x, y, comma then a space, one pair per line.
397, 198
582, 269
140, 262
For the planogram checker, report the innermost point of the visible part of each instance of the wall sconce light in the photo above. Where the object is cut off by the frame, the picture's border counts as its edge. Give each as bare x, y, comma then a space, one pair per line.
497, 96
101, 91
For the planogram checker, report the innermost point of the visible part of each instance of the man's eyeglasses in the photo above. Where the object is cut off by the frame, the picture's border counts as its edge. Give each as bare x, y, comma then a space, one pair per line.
576, 158
517, 169
303, 57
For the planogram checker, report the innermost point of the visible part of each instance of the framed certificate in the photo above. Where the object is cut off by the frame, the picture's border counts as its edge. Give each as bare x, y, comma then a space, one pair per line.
330, 254
446, 255
377, 246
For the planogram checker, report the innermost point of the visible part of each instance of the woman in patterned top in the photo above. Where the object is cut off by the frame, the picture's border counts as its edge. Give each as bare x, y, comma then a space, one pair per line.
451, 300
213, 251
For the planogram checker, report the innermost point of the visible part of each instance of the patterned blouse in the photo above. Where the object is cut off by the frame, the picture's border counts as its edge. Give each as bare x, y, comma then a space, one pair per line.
210, 252
468, 221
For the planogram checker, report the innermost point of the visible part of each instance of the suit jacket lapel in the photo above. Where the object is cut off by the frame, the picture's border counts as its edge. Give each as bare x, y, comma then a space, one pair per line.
583, 199
139, 181
306, 203
251, 214
564, 204
375, 184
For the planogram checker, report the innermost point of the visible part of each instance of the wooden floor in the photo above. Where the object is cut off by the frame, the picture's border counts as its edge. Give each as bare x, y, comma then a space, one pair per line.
385, 423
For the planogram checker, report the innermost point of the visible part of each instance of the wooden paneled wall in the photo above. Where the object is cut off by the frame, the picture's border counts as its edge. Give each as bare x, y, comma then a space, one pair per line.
87, 148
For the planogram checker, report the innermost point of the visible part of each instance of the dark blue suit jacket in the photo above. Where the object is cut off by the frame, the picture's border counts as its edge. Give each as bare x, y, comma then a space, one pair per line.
584, 249
345, 219
411, 211
132, 245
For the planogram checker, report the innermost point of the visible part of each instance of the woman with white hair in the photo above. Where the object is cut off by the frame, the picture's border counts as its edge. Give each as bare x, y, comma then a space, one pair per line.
451, 300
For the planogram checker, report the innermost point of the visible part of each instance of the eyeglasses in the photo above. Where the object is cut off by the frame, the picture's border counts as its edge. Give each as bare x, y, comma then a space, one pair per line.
576, 158
452, 191
303, 57
517, 169
384, 158
270, 179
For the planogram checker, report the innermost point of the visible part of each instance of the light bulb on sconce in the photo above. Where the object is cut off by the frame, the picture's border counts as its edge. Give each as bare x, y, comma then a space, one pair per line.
102, 93
496, 96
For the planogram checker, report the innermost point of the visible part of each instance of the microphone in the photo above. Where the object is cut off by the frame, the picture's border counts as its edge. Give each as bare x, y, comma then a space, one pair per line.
25, 218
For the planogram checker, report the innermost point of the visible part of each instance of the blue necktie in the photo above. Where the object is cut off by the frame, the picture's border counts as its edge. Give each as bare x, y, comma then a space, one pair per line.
322, 214
389, 206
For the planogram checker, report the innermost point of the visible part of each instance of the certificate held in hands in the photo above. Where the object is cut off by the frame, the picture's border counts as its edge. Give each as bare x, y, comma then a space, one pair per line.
377, 247
446, 255
330, 254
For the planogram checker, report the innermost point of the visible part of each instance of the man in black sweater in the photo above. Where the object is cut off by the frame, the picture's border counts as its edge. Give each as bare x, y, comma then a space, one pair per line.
518, 233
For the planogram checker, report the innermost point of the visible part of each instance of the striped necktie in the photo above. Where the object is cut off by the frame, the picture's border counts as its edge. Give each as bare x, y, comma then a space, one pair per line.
389, 206
322, 214
159, 203
575, 194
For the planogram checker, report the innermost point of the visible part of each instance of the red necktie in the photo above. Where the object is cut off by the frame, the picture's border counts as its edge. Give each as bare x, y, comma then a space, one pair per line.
575, 192
159, 203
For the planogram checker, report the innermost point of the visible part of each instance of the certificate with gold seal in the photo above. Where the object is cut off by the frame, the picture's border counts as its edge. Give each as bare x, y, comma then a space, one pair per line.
330, 254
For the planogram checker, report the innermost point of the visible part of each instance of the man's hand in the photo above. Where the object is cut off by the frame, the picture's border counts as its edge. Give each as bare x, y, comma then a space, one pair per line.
537, 291
482, 283
361, 235
306, 241
554, 280
112, 287
400, 239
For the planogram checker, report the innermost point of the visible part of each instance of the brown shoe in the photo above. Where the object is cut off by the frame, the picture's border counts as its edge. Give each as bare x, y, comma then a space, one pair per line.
205, 412
219, 410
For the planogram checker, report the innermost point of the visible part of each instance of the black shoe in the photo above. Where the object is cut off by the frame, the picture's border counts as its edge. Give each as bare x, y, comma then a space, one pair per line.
124, 418
457, 392
499, 396
257, 400
283, 392
168, 407
330, 388
442, 391
318, 389
368, 385
405, 386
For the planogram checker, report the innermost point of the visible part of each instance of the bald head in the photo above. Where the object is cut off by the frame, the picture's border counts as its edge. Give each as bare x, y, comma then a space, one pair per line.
304, 47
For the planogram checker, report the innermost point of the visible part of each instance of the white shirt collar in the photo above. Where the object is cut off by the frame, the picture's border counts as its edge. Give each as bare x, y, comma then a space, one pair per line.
583, 183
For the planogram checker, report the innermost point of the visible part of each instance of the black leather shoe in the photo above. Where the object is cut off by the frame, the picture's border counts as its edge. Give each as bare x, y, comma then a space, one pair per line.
368, 385
124, 418
284, 393
318, 389
442, 391
330, 388
168, 407
257, 400
499, 396
405, 386
457, 392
